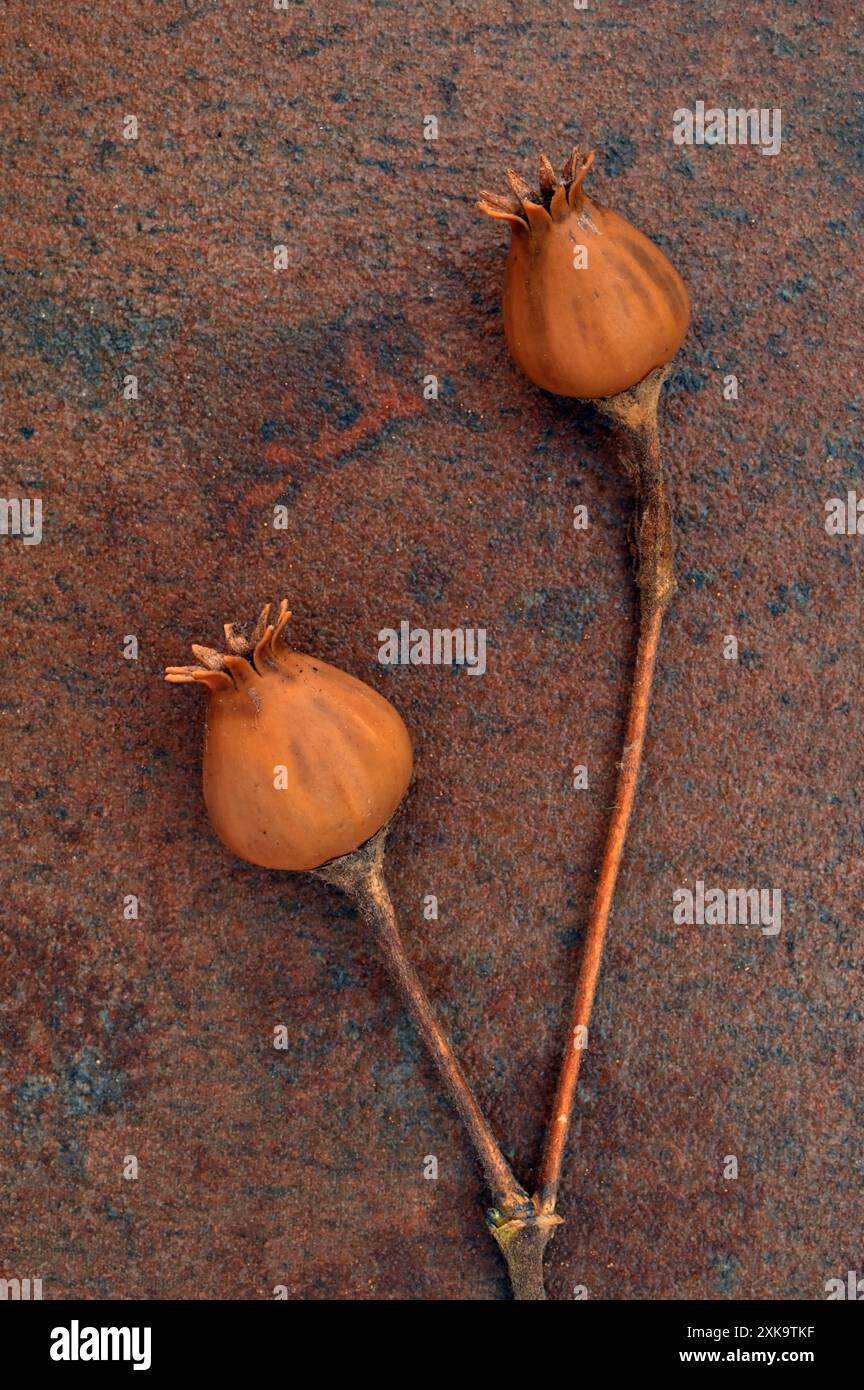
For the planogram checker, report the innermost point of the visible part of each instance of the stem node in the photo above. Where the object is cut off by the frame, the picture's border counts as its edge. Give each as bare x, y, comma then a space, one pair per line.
523, 1244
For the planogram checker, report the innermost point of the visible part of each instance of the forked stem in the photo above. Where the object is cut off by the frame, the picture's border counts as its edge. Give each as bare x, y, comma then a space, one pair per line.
523, 1226
361, 875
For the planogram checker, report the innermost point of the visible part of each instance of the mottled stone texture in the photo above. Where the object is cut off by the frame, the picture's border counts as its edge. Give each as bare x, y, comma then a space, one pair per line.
304, 126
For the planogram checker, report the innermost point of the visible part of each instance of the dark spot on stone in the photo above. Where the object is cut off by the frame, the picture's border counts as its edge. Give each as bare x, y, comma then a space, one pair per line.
727, 214
244, 143
698, 578
289, 494
689, 380
791, 289
799, 591
104, 152
385, 165
618, 154
88, 1085
564, 613
427, 580
28, 1098
349, 416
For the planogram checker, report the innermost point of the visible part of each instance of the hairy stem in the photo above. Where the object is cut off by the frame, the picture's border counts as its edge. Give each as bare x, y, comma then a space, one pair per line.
361, 875
635, 412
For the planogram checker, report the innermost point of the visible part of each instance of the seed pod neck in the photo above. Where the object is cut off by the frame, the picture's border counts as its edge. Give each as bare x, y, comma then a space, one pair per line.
634, 412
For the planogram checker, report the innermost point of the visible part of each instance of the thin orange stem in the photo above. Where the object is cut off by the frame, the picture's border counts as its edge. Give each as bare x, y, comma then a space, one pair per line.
550, 1172
635, 413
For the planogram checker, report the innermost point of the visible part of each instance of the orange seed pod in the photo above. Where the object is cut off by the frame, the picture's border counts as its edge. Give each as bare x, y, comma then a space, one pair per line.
591, 306
302, 762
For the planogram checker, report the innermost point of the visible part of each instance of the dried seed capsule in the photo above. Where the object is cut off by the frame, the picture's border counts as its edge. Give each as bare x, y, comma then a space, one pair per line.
302, 762
591, 306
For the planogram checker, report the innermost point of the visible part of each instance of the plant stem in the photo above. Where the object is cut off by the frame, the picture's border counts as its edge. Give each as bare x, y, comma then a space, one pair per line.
636, 414
523, 1226
361, 875
550, 1172
523, 1241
